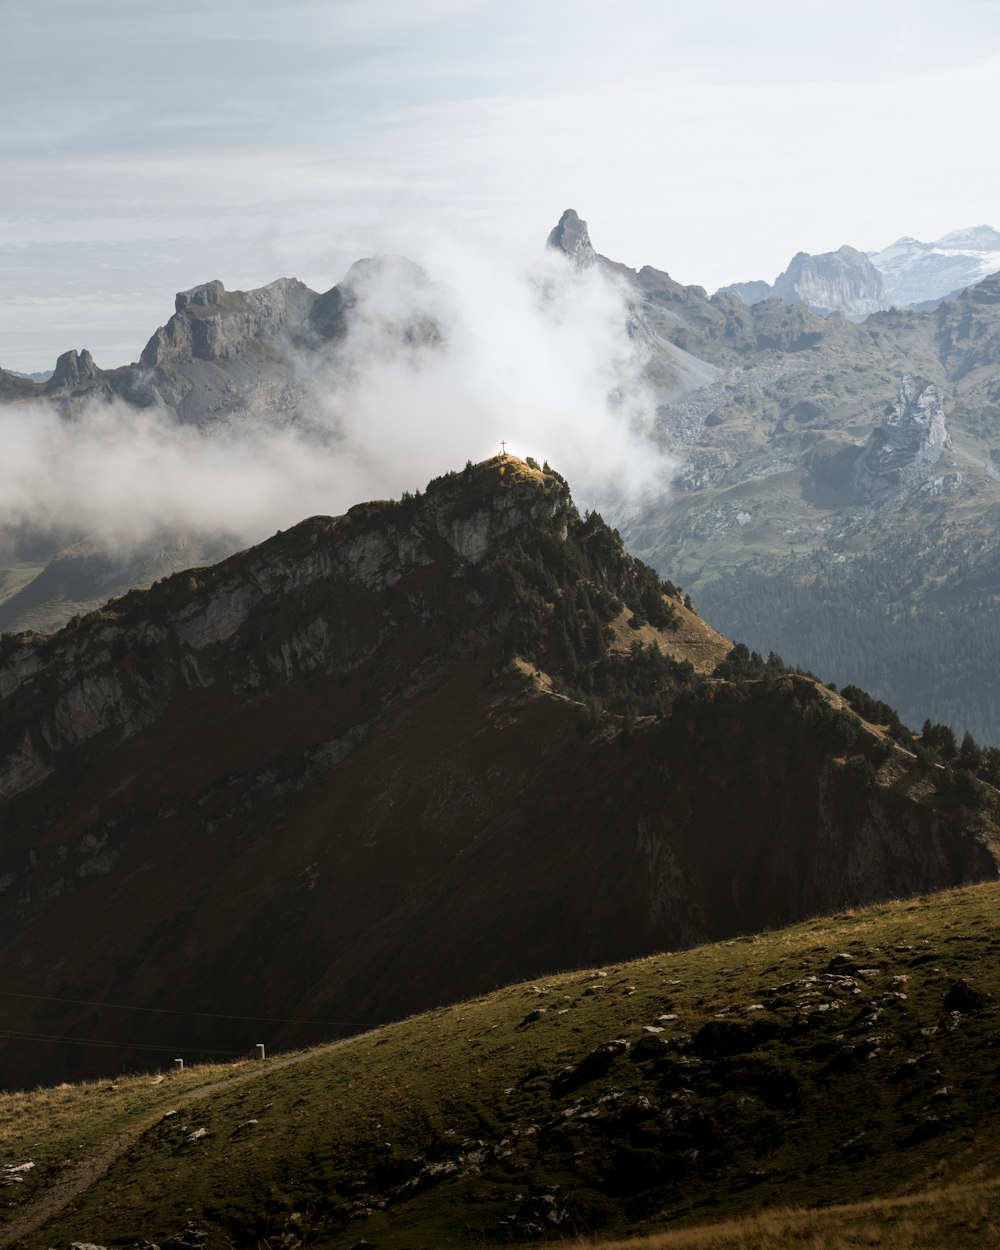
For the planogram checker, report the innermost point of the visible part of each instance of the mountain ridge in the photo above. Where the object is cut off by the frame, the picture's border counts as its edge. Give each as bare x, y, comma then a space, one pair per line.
468, 710
905, 274
763, 407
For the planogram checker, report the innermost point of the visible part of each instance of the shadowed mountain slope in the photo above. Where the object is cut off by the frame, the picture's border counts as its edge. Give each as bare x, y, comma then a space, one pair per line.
410, 753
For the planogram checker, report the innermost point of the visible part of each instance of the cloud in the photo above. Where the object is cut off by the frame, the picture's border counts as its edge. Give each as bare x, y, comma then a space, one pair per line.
441, 363
537, 356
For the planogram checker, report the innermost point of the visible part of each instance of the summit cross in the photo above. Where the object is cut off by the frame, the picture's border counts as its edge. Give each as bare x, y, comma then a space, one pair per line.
503, 448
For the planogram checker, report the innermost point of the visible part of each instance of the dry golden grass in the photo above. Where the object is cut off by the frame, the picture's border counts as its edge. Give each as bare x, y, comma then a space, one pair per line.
61, 1128
693, 640
511, 468
59, 1107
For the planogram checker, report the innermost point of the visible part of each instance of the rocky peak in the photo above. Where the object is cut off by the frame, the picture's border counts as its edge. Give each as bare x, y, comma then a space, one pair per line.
73, 369
974, 238
985, 292
212, 323
907, 443
571, 237
842, 281
410, 284
916, 273
16, 386
203, 296
749, 292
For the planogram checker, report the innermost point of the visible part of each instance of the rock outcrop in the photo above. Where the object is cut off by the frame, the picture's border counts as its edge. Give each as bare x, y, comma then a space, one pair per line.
901, 451
74, 370
751, 292
843, 281
210, 323
14, 386
571, 237
392, 291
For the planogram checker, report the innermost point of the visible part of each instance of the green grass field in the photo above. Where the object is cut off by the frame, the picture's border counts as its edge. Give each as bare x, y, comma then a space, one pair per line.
823, 1086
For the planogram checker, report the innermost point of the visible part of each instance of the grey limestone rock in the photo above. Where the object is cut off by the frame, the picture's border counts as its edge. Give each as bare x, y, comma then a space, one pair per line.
213, 324
842, 281
750, 292
906, 445
73, 369
571, 237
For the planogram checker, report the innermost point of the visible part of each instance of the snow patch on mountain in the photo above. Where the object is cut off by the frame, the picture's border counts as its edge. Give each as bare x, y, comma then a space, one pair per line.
914, 271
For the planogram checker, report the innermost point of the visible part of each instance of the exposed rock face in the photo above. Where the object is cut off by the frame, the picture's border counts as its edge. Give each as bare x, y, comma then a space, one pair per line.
571, 237
401, 296
750, 292
213, 324
15, 386
834, 281
91, 571
73, 370
843, 281
907, 444
907, 273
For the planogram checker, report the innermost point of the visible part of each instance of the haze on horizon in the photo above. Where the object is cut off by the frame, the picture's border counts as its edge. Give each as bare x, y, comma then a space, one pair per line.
147, 150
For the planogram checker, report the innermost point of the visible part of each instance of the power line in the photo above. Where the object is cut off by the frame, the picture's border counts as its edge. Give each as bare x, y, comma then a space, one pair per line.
86, 1041
200, 1015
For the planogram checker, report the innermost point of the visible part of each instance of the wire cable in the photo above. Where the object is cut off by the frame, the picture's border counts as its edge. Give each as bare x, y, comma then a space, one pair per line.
85, 1041
199, 1015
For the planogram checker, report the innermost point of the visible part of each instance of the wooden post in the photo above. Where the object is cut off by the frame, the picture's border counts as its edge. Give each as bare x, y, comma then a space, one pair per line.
178, 1065
259, 1050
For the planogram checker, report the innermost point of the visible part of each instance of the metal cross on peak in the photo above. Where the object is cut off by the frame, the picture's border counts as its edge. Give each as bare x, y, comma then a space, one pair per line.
503, 448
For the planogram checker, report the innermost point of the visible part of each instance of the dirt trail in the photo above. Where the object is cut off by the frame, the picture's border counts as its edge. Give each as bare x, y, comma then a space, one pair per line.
80, 1177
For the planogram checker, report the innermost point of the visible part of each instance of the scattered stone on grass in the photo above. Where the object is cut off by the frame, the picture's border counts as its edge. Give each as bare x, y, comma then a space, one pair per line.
964, 998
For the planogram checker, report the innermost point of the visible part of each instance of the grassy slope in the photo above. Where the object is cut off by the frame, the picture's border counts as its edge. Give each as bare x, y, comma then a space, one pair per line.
464, 1126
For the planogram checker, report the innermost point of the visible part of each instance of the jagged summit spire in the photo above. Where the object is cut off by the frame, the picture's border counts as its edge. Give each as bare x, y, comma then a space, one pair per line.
73, 369
571, 237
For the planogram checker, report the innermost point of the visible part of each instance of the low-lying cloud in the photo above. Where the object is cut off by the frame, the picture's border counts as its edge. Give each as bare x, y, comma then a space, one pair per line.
440, 363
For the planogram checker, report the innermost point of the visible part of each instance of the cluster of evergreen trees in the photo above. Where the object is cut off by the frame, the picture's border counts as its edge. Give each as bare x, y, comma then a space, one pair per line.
555, 593
861, 622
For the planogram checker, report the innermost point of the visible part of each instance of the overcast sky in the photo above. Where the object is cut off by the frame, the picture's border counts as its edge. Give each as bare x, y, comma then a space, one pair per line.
147, 148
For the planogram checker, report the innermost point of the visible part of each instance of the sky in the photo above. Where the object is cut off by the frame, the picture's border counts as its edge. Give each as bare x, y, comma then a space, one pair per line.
147, 148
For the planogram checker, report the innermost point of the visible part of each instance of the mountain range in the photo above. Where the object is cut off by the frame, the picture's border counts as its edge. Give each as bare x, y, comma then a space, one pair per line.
775, 519
386, 762
777, 522
907, 273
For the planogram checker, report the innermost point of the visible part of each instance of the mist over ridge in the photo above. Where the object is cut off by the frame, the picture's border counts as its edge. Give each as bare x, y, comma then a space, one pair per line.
441, 358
